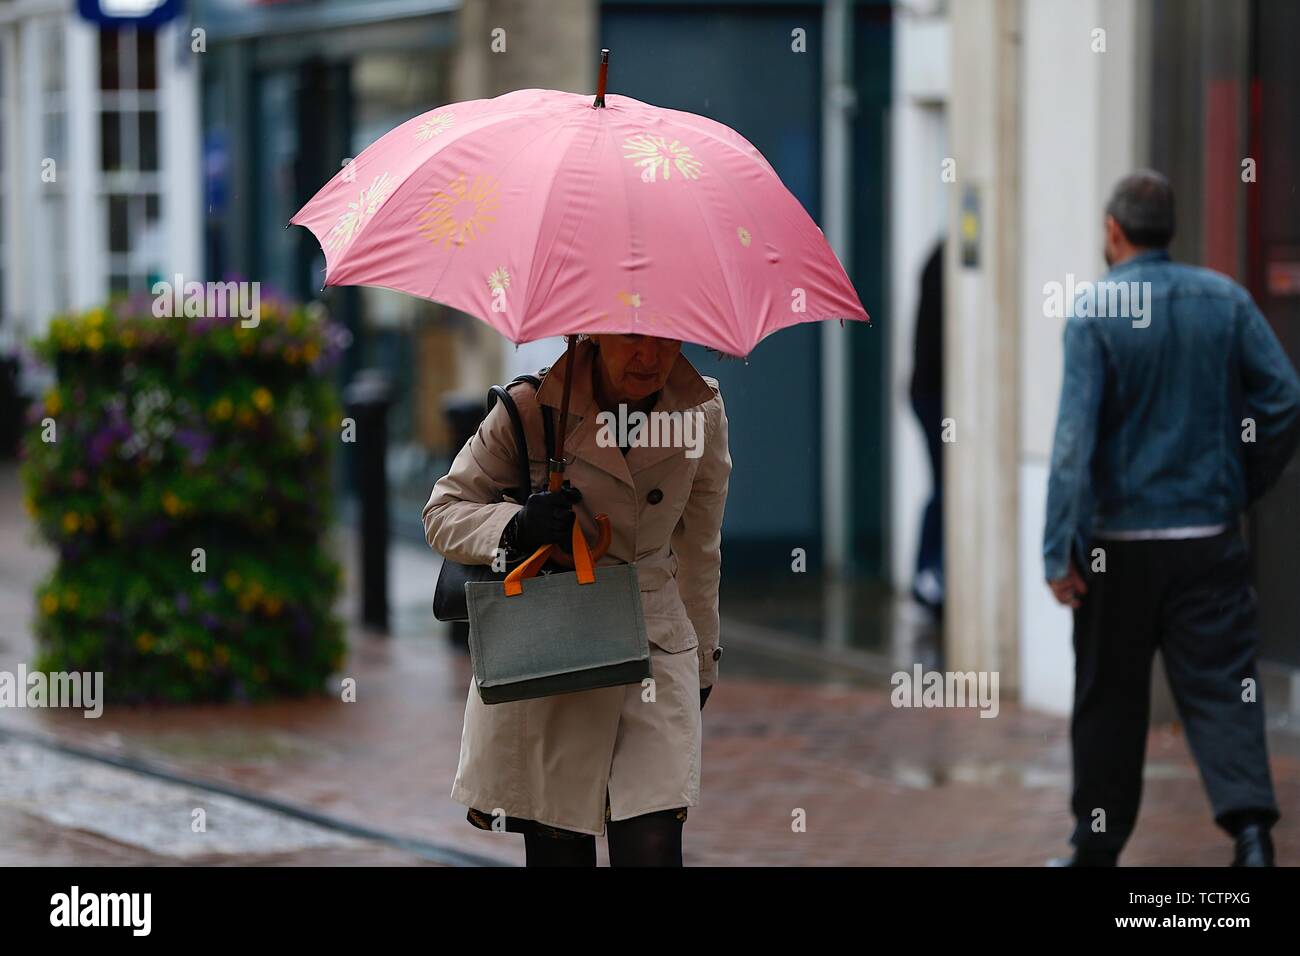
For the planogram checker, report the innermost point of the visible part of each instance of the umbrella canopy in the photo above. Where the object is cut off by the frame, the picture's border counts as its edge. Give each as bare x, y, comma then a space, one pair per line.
544, 216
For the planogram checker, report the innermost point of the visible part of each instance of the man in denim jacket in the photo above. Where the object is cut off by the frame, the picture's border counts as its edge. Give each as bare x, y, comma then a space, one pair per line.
1178, 408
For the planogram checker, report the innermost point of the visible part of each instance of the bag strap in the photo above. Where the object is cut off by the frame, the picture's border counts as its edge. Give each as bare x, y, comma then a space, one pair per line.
548, 419
497, 393
514, 583
501, 393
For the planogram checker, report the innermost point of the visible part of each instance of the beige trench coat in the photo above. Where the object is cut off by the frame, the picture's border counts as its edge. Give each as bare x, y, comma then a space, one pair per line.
553, 759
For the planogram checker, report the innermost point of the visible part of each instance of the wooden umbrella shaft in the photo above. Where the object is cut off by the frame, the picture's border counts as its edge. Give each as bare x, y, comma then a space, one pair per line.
556, 479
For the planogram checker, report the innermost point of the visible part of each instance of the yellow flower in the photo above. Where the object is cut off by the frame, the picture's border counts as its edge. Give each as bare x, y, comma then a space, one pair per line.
291, 354
172, 504
273, 606
71, 522
29, 503
254, 589
196, 659
232, 580
222, 409
244, 416
53, 402
262, 399
70, 600
49, 603
221, 654
145, 641
128, 338
95, 318
246, 603
310, 352
95, 340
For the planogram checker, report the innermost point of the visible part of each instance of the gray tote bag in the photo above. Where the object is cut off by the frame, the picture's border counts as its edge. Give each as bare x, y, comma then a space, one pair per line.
559, 633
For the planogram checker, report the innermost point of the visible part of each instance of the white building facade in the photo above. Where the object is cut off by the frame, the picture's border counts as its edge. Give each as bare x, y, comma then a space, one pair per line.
99, 155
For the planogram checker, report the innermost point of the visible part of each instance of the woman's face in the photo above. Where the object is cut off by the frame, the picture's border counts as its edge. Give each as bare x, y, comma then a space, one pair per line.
633, 367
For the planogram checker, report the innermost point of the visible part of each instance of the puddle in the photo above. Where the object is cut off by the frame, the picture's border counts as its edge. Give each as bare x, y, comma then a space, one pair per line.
150, 814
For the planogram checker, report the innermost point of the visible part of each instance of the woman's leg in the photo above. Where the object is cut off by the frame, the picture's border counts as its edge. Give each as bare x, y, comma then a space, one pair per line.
543, 850
652, 839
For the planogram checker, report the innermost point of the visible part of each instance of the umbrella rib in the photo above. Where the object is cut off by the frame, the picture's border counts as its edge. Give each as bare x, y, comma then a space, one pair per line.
568, 247
731, 295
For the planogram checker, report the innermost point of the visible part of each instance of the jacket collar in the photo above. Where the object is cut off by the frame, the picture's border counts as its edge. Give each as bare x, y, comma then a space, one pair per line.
1150, 255
684, 389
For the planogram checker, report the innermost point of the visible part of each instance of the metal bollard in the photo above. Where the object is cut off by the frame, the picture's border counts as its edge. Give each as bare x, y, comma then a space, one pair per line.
367, 399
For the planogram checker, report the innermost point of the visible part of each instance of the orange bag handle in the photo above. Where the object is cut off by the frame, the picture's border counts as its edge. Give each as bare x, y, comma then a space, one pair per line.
514, 583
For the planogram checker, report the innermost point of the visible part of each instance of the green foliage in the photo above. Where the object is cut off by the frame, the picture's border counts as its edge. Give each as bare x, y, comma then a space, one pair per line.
164, 435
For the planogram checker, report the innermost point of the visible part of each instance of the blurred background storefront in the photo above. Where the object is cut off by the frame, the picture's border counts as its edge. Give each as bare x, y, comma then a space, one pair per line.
130, 153
290, 90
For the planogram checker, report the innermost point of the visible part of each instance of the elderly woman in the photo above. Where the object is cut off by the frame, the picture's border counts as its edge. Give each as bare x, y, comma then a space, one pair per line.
560, 769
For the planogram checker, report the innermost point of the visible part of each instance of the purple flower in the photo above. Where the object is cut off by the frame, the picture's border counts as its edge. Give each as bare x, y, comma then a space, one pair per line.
209, 620
210, 586
182, 601
101, 445
196, 441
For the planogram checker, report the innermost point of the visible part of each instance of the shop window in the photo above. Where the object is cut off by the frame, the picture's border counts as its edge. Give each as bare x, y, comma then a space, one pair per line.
130, 158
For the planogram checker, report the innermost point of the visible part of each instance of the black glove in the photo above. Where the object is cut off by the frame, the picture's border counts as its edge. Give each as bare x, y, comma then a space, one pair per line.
546, 518
704, 695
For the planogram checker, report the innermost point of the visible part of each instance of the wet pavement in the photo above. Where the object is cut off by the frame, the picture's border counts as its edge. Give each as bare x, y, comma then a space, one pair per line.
799, 730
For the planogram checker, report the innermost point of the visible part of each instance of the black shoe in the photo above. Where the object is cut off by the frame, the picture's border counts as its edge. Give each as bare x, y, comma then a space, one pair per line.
1086, 858
1254, 846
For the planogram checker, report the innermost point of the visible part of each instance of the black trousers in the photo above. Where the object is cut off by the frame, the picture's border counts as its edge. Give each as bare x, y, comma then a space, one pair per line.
1194, 600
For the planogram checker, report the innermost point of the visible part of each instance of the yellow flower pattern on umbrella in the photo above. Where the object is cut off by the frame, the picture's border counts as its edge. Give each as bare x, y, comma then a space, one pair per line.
743, 235
655, 153
499, 280
356, 213
433, 126
461, 212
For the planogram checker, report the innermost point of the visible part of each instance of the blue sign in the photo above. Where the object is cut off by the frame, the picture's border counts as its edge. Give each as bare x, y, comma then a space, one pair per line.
125, 13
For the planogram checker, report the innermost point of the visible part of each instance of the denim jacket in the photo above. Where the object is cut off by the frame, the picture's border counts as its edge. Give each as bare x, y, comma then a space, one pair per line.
1180, 416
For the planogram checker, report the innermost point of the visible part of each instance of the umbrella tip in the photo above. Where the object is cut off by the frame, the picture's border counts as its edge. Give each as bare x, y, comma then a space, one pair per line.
600, 84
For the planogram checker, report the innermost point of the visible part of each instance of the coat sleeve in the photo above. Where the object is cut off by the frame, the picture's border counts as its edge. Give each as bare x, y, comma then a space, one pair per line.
465, 515
697, 540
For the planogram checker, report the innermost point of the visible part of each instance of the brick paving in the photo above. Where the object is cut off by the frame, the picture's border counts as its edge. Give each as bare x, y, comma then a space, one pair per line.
875, 785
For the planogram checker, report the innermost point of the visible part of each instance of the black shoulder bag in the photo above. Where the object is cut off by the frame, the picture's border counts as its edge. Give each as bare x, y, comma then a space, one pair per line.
449, 595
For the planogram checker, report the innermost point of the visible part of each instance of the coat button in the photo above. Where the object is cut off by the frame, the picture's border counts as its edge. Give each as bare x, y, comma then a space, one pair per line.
717, 652
655, 496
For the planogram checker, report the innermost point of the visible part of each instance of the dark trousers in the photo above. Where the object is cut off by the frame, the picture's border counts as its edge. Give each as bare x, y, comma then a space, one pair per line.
1192, 599
929, 556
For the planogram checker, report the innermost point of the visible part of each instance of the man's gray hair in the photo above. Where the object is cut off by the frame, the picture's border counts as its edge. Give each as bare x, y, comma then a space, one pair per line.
1143, 205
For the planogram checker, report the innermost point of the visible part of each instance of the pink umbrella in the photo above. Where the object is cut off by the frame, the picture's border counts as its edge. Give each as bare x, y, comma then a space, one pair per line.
544, 214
